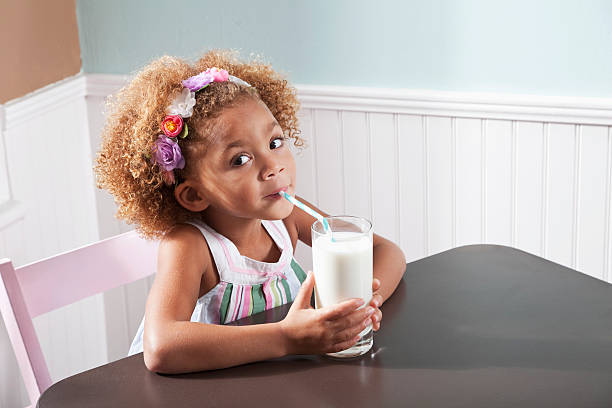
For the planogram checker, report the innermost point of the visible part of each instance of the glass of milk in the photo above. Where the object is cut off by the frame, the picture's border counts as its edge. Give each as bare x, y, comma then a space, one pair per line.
342, 266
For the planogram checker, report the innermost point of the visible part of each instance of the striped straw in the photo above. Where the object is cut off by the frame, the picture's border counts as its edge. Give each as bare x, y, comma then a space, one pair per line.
308, 210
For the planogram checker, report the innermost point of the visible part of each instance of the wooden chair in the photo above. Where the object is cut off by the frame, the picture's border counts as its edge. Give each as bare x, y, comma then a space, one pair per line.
42, 286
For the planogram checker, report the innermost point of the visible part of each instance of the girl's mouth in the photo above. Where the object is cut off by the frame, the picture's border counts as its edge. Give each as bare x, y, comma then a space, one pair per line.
274, 197
275, 194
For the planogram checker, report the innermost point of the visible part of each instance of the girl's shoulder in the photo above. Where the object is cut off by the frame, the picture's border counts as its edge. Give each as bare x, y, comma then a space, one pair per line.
183, 234
184, 244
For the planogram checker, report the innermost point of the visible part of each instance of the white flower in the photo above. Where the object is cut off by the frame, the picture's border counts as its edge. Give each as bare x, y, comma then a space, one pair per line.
183, 104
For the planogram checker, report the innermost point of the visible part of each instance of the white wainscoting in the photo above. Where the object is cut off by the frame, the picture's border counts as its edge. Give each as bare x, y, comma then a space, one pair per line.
433, 170
439, 170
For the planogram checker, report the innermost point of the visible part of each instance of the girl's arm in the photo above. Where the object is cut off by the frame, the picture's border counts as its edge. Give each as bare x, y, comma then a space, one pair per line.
389, 267
174, 344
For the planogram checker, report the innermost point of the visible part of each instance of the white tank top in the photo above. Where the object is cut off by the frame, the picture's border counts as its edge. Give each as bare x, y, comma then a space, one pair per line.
246, 286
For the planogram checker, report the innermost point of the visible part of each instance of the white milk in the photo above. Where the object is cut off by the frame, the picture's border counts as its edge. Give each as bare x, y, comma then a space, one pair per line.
342, 269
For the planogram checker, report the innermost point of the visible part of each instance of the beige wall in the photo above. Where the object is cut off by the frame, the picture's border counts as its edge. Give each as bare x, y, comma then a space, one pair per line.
39, 43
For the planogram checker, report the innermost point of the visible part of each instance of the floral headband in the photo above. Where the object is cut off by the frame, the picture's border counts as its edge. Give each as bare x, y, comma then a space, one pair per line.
166, 151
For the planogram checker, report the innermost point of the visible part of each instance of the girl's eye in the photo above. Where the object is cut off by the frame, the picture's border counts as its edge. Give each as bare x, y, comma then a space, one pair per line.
277, 142
240, 160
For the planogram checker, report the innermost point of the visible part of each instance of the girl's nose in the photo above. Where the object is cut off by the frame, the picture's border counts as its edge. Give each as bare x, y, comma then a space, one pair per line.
272, 169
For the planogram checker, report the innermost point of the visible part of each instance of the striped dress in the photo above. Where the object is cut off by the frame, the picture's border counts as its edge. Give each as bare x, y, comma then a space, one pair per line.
246, 286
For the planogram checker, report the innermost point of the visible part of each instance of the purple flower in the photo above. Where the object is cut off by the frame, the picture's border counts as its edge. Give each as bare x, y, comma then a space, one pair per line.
167, 154
197, 82
203, 79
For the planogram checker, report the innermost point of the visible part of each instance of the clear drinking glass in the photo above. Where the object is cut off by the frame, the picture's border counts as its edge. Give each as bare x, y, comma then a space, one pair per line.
342, 267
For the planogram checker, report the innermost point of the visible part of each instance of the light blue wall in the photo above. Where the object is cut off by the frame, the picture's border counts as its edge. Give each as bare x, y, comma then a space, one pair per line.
550, 47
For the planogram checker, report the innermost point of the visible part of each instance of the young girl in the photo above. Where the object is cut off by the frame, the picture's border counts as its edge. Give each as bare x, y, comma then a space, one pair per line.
195, 155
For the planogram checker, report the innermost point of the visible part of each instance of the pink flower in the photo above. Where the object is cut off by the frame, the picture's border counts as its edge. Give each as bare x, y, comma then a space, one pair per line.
219, 75
172, 125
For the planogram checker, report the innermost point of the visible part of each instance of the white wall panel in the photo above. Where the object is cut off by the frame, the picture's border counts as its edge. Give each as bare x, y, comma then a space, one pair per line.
356, 164
607, 275
468, 173
306, 186
528, 173
592, 199
561, 147
383, 158
329, 167
498, 182
411, 184
54, 193
5, 190
439, 183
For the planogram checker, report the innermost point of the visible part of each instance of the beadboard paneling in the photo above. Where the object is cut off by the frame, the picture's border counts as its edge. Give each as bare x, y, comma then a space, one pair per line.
5, 192
439, 179
593, 142
467, 162
560, 145
383, 174
328, 156
440, 182
306, 185
356, 171
499, 182
412, 187
528, 190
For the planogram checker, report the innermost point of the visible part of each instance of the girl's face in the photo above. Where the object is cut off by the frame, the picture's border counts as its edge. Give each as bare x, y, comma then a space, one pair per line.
247, 163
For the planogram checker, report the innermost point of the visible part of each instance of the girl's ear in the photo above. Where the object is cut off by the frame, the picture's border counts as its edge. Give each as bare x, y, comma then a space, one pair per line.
189, 197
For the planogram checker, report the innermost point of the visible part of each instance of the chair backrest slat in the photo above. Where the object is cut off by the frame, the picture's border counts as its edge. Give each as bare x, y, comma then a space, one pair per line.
22, 334
86, 271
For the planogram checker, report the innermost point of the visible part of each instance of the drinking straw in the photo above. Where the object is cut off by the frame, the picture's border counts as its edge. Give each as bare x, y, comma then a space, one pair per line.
308, 210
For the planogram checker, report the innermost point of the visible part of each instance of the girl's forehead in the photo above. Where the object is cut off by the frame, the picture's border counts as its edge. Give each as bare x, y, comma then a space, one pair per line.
242, 122
247, 112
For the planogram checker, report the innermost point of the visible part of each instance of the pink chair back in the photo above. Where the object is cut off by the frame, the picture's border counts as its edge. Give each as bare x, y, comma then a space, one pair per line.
45, 285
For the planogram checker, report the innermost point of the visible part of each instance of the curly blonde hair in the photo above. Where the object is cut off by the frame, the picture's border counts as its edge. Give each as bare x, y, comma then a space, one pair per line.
124, 165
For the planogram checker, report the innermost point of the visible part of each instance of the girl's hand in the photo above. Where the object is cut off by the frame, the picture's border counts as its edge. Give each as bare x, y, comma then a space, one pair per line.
375, 303
326, 330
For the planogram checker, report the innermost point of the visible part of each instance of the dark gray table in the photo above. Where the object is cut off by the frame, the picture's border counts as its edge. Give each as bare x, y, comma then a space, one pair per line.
476, 326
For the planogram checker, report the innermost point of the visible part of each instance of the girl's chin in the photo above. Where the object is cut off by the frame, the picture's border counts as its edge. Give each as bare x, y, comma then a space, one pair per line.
279, 211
